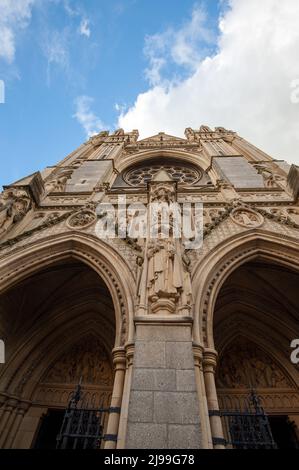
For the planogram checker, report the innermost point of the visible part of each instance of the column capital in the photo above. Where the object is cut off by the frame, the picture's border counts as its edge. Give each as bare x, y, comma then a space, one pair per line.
130, 348
210, 357
198, 350
119, 358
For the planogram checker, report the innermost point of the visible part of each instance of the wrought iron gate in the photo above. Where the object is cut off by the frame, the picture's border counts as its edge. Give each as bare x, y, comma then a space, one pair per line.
83, 424
248, 428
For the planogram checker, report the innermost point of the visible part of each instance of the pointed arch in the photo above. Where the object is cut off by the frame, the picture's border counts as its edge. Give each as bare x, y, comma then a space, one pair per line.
26, 365
210, 273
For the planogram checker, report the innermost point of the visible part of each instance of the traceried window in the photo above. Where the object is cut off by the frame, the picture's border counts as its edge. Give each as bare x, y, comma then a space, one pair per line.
180, 172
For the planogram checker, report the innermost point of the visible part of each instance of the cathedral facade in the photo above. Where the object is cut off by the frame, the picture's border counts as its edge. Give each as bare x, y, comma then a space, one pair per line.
152, 342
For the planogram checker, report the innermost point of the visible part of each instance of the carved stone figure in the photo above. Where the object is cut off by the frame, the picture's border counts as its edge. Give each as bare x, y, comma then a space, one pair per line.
247, 217
14, 205
87, 360
164, 277
243, 365
82, 219
190, 134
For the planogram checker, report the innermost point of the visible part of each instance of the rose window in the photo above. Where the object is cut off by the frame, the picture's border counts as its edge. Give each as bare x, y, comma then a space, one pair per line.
142, 175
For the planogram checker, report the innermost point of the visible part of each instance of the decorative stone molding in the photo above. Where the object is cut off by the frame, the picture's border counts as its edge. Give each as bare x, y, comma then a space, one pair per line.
14, 205
247, 217
237, 256
50, 221
81, 219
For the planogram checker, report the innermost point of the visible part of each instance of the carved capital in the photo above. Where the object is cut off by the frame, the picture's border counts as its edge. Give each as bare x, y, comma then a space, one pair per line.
119, 358
210, 357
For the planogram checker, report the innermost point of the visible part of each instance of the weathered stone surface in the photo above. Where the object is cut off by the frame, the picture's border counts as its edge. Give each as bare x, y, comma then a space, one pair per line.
175, 407
184, 436
154, 379
147, 436
238, 172
160, 333
179, 355
185, 381
141, 406
150, 354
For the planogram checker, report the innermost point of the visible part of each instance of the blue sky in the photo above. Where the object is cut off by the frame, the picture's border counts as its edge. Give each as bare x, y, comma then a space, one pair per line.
54, 65
74, 67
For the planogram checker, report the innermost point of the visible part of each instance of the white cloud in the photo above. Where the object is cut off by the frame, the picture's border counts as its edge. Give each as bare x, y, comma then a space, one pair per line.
84, 28
56, 50
86, 117
183, 46
14, 15
70, 9
245, 85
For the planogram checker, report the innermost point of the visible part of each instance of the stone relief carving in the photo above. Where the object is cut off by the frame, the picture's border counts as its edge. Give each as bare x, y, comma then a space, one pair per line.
82, 219
88, 360
244, 365
14, 205
270, 177
164, 283
58, 182
247, 217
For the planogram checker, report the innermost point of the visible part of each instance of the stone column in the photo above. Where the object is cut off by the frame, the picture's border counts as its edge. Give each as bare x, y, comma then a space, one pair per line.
202, 398
122, 430
209, 367
7, 420
20, 413
3, 400
163, 407
119, 361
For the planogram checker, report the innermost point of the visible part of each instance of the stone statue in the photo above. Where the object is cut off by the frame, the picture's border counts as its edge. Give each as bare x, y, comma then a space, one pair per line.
164, 275
14, 205
164, 282
190, 134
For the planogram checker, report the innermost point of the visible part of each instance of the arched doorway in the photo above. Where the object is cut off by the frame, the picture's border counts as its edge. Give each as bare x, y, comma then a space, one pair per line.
255, 320
59, 327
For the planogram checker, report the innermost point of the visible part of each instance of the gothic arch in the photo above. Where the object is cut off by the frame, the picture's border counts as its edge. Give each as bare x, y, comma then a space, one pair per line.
264, 344
197, 159
210, 273
44, 346
96, 254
